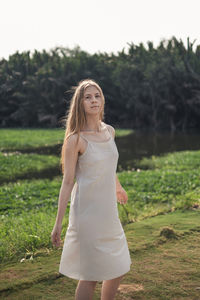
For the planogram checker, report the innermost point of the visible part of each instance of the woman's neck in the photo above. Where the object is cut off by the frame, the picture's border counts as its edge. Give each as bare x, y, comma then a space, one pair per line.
92, 127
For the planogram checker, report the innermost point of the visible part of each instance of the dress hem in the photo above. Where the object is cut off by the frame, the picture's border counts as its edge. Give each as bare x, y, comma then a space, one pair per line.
89, 279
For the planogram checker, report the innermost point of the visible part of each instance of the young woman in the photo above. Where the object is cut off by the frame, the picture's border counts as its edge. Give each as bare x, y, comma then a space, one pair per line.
95, 246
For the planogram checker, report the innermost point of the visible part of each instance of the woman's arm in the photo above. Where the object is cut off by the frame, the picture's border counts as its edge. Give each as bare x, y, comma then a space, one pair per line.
70, 161
122, 196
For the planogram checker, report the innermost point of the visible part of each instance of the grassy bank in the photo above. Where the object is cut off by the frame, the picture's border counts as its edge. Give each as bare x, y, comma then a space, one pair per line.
29, 190
163, 189
16, 139
12, 139
161, 184
161, 220
14, 166
28, 204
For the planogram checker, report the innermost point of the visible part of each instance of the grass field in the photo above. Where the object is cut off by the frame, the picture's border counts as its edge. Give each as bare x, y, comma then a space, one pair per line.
161, 221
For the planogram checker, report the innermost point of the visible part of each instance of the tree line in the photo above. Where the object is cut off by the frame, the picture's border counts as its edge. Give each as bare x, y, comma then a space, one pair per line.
144, 87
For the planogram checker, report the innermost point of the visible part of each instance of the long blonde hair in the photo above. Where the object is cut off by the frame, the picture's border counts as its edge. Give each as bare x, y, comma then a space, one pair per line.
75, 118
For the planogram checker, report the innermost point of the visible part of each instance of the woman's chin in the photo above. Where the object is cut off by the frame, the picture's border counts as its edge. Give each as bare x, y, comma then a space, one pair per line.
93, 112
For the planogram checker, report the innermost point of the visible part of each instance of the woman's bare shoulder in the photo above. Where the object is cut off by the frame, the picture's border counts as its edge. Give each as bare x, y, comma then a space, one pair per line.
72, 140
110, 128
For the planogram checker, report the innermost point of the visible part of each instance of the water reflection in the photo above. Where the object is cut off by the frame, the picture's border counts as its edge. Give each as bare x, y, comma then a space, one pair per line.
147, 143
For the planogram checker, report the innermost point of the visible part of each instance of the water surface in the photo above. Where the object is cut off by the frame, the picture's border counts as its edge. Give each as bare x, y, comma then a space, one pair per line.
147, 143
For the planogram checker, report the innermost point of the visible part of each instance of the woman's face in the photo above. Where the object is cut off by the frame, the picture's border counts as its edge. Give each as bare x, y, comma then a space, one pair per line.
92, 100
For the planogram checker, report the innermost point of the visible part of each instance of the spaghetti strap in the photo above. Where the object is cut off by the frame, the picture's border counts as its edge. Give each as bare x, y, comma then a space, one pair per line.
84, 137
90, 141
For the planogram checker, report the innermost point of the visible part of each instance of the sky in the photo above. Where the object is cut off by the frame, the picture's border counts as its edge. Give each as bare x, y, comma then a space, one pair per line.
94, 25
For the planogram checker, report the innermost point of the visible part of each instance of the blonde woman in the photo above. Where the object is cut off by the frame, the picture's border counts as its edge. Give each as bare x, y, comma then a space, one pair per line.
95, 247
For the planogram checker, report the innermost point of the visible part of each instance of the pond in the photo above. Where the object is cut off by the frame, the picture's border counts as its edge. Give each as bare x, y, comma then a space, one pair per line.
141, 144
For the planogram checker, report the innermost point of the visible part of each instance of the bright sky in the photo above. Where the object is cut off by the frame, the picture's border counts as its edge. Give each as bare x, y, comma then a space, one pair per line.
94, 25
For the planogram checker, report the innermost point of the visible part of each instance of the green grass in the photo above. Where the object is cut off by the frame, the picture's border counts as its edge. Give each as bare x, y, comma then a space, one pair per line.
150, 192
146, 233
123, 132
25, 202
162, 268
176, 161
163, 199
16, 166
25, 195
12, 139
166, 188
26, 233
28, 212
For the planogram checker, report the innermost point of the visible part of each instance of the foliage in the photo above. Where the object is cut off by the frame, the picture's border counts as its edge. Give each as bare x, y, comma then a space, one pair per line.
145, 87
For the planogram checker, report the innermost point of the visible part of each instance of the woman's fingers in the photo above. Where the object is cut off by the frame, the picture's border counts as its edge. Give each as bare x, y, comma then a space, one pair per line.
122, 201
122, 197
55, 238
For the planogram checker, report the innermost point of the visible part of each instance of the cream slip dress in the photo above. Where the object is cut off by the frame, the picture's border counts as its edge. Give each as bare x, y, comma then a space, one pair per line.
95, 246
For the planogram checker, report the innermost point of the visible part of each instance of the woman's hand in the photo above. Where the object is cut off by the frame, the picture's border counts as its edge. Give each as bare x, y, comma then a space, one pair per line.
55, 235
122, 196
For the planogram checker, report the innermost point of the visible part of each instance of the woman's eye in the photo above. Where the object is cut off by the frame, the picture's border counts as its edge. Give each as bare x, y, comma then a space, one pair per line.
88, 97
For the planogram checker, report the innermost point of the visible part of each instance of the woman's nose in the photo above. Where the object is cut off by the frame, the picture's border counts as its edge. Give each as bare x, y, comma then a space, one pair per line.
94, 99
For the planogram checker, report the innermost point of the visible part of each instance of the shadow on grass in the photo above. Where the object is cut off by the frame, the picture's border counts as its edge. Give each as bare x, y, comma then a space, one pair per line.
49, 173
46, 150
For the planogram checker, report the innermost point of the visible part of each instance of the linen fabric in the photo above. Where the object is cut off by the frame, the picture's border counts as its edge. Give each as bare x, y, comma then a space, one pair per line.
95, 245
